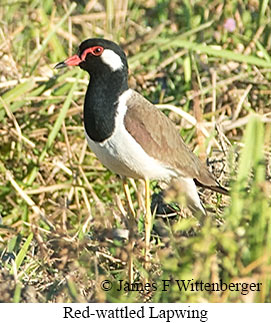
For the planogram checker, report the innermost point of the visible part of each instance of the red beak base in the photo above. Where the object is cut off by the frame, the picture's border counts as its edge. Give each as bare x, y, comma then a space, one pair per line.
74, 60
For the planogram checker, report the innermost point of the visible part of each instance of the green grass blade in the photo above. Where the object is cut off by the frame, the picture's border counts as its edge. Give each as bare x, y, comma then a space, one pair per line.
15, 93
162, 44
207, 49
263, 51
187, 69
223, 53
72, 289
57, 49
263, 7
56, 128
251, 158
40, 49
60, 118
17, 293
246, 158
259, 163
22, 253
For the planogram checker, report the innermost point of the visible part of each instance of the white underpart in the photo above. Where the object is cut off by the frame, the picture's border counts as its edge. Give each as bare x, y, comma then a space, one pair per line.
124, 156
189, 189
112, 59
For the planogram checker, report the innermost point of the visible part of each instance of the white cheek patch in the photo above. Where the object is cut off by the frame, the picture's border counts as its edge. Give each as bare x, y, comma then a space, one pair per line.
112, 59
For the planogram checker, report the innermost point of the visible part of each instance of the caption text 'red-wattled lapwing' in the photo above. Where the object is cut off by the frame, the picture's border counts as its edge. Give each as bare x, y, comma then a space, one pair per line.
129, 134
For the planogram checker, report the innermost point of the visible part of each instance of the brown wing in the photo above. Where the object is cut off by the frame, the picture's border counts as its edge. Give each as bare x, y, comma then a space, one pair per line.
159, 138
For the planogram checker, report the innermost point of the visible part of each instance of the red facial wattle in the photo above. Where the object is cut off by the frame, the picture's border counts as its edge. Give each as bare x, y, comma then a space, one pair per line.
95, 51
75, 60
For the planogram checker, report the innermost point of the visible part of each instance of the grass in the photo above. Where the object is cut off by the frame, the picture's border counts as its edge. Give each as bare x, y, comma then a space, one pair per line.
60, 207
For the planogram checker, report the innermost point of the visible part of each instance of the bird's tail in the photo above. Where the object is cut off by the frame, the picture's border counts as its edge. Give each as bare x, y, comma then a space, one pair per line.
216, 188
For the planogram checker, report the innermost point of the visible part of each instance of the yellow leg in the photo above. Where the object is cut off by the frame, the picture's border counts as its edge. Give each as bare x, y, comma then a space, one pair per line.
128, 197
131, 223
148, 222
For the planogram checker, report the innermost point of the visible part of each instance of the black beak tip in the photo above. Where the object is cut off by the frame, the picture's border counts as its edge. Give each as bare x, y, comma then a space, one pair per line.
60, 65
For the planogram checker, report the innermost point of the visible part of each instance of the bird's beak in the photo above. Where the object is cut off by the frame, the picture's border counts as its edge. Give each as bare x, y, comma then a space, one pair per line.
74, 60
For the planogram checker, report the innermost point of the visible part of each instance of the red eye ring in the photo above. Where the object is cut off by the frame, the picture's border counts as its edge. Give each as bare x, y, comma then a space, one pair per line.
95, 51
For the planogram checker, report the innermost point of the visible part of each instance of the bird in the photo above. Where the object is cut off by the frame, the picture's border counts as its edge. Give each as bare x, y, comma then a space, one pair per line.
129, 134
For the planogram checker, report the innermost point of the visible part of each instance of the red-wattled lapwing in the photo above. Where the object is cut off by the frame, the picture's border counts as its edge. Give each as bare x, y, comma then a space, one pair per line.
129, 134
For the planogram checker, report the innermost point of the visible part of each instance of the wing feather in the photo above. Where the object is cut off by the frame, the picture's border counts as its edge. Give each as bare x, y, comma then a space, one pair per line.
159, 138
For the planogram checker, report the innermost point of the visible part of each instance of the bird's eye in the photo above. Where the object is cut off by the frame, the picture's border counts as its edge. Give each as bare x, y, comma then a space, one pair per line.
97, 51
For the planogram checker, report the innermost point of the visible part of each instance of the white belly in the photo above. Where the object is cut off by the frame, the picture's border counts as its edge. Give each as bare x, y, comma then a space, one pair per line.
124, 156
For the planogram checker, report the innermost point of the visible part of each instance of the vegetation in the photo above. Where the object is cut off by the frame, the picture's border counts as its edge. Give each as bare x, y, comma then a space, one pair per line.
208, 66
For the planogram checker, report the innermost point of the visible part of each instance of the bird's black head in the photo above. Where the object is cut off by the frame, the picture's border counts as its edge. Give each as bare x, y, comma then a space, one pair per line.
95, 53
